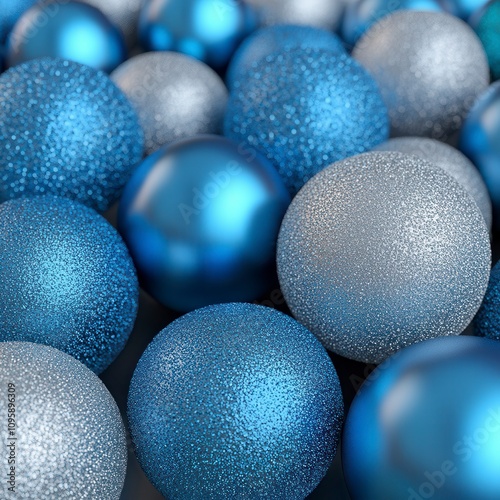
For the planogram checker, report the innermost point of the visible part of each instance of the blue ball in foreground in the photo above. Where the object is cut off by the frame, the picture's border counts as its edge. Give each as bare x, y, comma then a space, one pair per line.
235, 401
66, 280
487, 321
201, 219
11, 11
305, 109
426, 424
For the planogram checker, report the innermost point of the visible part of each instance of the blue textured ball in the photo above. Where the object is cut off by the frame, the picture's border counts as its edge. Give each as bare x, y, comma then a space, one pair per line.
235, 401
66, 130
201, 219
69, 30
11, 11
66, 280
305, 109
487, 321
426, 424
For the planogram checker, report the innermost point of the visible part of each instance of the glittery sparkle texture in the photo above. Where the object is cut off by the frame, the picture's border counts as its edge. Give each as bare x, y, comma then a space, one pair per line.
487, 321
66, 280
235, 401
71, 439
65, 130
305, 109
381, 251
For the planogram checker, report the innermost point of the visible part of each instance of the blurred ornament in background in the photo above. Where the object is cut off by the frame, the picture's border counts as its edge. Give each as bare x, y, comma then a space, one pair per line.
201, 219
11, 11
463, 9
487, 321
452, 161
70, 438
305, 109
430, 68
235, 401
381, 251
66, 130
175, 96
426, 424
208, 30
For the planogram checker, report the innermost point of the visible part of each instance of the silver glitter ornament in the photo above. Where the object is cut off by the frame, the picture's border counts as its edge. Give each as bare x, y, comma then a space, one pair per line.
381, 251
430, 68
175, 96
67, 439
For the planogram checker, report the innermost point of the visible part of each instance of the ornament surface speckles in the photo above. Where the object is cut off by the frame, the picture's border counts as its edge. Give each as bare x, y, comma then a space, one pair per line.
487, 321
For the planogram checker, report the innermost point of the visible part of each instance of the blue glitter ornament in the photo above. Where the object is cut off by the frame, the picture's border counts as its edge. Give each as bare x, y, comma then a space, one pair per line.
208, 30
201, 219
11, 11
305, 109
426, 424
235, 401
487, 321
463, 8
66, 280
71, 30
66, 130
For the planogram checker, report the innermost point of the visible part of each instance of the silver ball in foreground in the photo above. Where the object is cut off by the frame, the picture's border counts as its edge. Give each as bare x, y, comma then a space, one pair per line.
175, 96
430, 68
69, 437
381, 251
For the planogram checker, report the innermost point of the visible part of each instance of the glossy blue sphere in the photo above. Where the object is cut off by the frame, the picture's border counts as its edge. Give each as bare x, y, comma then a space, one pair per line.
201, 219
66, 280
209, 30
10, 12
463, 8
426, 424
70, 30
487, 321
235, 401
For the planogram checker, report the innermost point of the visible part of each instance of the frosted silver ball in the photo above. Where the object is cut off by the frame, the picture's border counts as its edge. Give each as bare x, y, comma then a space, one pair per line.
175, 96
65, 438
381, 251
430, 68
451, 161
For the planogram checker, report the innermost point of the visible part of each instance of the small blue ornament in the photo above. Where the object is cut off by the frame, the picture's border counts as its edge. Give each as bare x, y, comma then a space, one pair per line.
235, 401
487, 321
463, 8
66, 280
426, 424
11, 11
305, 109
208, 30
66, 130
201, 219
69, 30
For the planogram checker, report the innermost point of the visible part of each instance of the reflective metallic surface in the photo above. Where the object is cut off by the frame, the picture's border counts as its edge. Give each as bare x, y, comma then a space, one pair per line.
10, 13
487, 321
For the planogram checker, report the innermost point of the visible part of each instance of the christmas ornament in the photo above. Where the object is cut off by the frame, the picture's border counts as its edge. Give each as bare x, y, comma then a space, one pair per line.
463, 8
11, 11
63, 434
487, 321
426, 424
71, 30
201, 219
305, 109
235, 401
175, 96
430, 68
66, 130
451, 161
381, 251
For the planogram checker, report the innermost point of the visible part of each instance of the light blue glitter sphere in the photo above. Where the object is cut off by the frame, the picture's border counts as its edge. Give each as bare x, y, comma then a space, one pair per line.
11, 11
66, 280
487, 321
305, 109
235, 401
66, 130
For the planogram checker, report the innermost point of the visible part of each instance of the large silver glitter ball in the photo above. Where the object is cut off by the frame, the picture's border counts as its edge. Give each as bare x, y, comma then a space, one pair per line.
451, 161
430, 68
63, 437
381, 251
175, 96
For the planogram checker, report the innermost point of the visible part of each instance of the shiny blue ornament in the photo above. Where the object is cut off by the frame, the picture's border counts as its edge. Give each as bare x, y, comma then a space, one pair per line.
201, 220
306, 109
208, 30
463, 8
235, 401
10, 12
66, 130
426, 424
487, 321
70, 30
66, 280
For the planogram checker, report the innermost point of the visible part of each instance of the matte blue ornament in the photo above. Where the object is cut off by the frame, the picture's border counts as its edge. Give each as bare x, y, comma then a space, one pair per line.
10, 12
235, 401
66, 280
70, 30
487, 321
305, 109
463, 8
426, 424
209, 30
201, 219
66, 130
